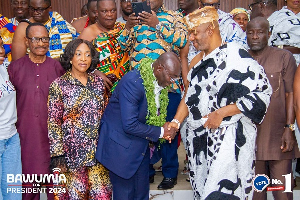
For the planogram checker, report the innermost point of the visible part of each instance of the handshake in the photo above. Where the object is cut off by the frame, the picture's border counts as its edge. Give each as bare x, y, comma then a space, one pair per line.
170, 131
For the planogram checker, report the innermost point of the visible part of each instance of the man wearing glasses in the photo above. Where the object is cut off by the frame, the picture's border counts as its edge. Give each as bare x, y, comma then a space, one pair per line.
31, 76
60, 31
229, 29
125, 130
151, 35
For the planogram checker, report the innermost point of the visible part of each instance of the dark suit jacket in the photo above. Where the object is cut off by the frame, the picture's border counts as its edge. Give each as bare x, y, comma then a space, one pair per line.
123, 134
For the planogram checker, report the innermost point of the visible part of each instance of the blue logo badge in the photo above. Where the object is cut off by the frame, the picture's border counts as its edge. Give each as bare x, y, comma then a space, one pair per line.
260, 182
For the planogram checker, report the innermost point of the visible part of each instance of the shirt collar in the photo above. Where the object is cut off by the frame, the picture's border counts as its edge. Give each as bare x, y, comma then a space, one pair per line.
74, 81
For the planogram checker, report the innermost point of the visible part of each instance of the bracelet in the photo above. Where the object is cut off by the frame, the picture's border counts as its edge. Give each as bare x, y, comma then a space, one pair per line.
158, 26
177, 122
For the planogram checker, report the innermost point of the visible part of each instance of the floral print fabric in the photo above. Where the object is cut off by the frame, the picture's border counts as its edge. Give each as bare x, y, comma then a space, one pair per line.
74, 113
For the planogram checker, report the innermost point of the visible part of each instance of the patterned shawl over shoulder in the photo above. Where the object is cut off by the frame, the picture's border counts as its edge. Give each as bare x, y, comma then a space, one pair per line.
112, 59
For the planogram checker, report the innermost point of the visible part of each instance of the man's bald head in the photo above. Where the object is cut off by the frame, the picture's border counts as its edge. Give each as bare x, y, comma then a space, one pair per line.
167, 68
170, 61
263, 22
258, 34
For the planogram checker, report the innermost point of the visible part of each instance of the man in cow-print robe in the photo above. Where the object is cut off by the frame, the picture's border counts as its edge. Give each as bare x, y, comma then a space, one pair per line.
226, 76
228, 93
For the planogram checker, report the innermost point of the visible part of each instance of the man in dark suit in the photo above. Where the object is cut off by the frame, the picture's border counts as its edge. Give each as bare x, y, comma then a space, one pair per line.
124, 136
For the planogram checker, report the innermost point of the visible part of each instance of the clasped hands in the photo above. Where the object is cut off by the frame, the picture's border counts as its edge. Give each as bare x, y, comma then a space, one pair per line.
169, 131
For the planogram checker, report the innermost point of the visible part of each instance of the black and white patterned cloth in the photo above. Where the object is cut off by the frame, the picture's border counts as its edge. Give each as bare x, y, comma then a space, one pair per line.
285, 29
221, 160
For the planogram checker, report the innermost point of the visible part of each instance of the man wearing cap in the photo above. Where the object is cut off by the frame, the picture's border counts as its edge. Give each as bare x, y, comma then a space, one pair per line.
228, 93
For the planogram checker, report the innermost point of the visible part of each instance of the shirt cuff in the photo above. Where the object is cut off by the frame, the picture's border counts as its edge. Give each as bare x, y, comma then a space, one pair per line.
162, 132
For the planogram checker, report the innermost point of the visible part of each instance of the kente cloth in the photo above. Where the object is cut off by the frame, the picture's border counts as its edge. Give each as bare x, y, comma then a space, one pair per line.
32, 81
285, 29
113, 59
14, 21
145, 41
60, 33
230, 30
74, 113
221, 160
7, 30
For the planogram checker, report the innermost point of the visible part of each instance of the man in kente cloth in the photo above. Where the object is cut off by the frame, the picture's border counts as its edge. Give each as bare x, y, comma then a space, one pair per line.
114, 62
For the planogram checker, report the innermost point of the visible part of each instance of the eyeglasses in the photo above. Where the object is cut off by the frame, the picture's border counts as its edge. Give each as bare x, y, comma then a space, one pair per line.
252, 4
173, 80
36, 39
38, 10
216, 5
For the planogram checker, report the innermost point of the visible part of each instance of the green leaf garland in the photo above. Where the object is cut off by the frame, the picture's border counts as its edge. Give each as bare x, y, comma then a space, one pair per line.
148, 77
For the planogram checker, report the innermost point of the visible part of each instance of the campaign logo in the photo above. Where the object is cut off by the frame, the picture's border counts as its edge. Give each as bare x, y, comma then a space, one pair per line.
260, 182
36, 181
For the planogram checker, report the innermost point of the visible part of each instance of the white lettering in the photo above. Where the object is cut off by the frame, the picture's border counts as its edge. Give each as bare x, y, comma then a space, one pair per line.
47, 178
26, 179
288, 181
10, 178
62, 178
38, 180
18, 178
276, 181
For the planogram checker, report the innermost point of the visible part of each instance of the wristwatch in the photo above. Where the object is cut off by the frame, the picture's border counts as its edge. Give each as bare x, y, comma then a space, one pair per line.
290, 126
177, 122
158, 27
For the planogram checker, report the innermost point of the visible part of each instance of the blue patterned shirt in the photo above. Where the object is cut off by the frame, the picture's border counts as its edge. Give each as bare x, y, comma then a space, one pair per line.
145, 41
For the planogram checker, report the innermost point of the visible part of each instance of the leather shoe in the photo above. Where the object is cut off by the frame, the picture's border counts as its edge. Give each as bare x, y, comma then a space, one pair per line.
167, 183
151, 179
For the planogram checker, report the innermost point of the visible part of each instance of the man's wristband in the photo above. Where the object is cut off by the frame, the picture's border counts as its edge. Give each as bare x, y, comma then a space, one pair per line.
290, 126
177, 122
158, 26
